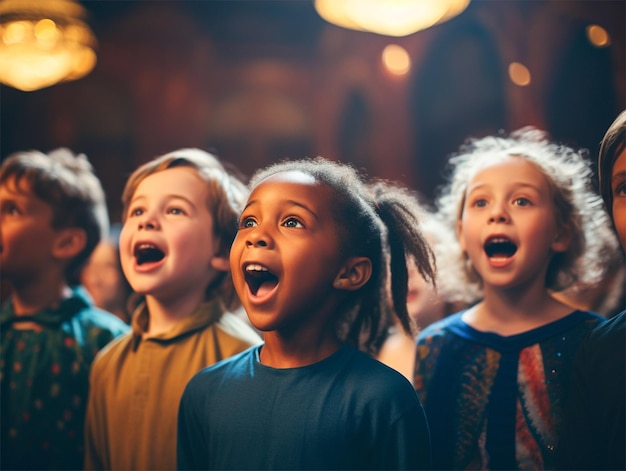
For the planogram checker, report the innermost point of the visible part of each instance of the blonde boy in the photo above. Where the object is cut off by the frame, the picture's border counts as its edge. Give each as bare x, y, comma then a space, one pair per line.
180, 217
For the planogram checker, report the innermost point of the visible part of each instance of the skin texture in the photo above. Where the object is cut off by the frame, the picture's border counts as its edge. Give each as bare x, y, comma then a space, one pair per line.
511, 199
618, 188
27, 234
169, 211
287, 228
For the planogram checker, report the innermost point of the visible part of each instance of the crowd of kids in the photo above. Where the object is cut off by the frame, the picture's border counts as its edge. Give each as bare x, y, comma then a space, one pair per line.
314, 317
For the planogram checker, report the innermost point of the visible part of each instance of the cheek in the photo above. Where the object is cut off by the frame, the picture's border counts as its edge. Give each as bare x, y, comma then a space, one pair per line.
125, 247
619, 218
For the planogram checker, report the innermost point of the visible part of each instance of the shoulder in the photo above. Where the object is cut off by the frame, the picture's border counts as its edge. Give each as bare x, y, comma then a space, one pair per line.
98, 318
609, 335
236, 368
441, 328
92, 317
361, 369
113, 353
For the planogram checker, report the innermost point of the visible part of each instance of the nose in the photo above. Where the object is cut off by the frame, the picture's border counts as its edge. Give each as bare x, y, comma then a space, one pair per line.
498, 214
257, 238
147, 222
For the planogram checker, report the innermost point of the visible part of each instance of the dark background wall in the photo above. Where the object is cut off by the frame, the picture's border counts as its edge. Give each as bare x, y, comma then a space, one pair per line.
256, 81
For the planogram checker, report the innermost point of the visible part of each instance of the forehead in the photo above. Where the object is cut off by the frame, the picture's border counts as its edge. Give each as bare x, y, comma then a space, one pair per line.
183, 181
508, 170
20, 188
293, 186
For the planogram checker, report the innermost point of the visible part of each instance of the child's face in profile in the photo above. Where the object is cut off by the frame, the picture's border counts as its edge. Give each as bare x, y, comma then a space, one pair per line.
26, 233
507, 227
618, 189
167, 245
286, 254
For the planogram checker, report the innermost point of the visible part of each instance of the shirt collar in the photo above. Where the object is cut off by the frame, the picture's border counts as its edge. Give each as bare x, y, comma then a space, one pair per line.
204, 315
54, 316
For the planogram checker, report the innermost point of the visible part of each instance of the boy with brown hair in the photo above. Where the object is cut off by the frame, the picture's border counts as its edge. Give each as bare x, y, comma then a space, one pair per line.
180, 218
52, 213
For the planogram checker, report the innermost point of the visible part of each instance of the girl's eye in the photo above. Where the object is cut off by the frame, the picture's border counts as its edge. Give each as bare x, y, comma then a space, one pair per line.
247, 222
620, 190
521, 202
293, 222
479, 203
10, 208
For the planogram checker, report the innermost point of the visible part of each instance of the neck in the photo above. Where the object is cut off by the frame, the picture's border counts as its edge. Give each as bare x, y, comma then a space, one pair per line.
165, 314
513, 311
284, 351
36, 295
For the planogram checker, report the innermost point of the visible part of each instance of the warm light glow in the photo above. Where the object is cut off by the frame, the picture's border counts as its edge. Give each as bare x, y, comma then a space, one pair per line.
389, 17
396, 59
519, 74
598, 36
43, 42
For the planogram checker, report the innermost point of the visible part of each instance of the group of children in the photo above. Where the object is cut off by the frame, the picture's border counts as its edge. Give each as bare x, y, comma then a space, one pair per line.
318, 259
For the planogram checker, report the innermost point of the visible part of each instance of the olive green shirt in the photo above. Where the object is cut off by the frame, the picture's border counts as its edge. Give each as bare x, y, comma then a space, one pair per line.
136, 384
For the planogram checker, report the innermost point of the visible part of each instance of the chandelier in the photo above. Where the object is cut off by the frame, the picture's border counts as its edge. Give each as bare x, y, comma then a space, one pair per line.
43, 42
389, 17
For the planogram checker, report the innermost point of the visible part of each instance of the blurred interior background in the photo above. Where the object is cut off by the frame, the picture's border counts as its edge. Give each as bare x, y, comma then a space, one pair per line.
261, 80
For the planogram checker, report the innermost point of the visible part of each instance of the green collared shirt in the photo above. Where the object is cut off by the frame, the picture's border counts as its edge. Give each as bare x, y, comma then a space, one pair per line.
44, 381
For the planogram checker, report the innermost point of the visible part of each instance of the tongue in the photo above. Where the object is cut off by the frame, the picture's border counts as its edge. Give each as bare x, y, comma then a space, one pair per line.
265, 288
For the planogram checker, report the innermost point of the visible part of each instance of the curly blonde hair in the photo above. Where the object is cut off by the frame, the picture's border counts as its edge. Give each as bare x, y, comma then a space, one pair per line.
578, 208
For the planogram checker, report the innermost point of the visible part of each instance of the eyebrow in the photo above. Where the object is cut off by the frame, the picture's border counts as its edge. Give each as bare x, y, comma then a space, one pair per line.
516, 185
290, 202
620, 174
167, 198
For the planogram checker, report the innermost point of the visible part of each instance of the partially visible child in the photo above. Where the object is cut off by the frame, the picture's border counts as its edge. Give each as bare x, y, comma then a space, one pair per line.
180, 218
104, 279
492, 377
594, 425
52, 214
310, 264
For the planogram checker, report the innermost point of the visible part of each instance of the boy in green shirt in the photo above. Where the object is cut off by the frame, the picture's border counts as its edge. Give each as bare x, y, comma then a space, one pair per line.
53, 214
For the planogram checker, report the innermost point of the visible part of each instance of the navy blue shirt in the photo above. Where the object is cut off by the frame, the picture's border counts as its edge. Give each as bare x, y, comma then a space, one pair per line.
348, 411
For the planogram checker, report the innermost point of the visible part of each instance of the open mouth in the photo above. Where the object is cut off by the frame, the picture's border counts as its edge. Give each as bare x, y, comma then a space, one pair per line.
500, 247
148, 253
259, 279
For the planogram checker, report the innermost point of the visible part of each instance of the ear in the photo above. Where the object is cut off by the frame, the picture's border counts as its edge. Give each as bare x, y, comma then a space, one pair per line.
220, 263
562, 240
355, 272
69, 242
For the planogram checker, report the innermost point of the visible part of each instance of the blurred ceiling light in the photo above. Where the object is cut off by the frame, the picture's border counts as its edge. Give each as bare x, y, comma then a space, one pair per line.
389, 17
519, 74
396, 59
43, 42
598, 36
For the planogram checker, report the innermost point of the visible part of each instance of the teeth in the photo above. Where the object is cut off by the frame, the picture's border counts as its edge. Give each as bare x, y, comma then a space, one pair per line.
255, 267
145, 246
497, 240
